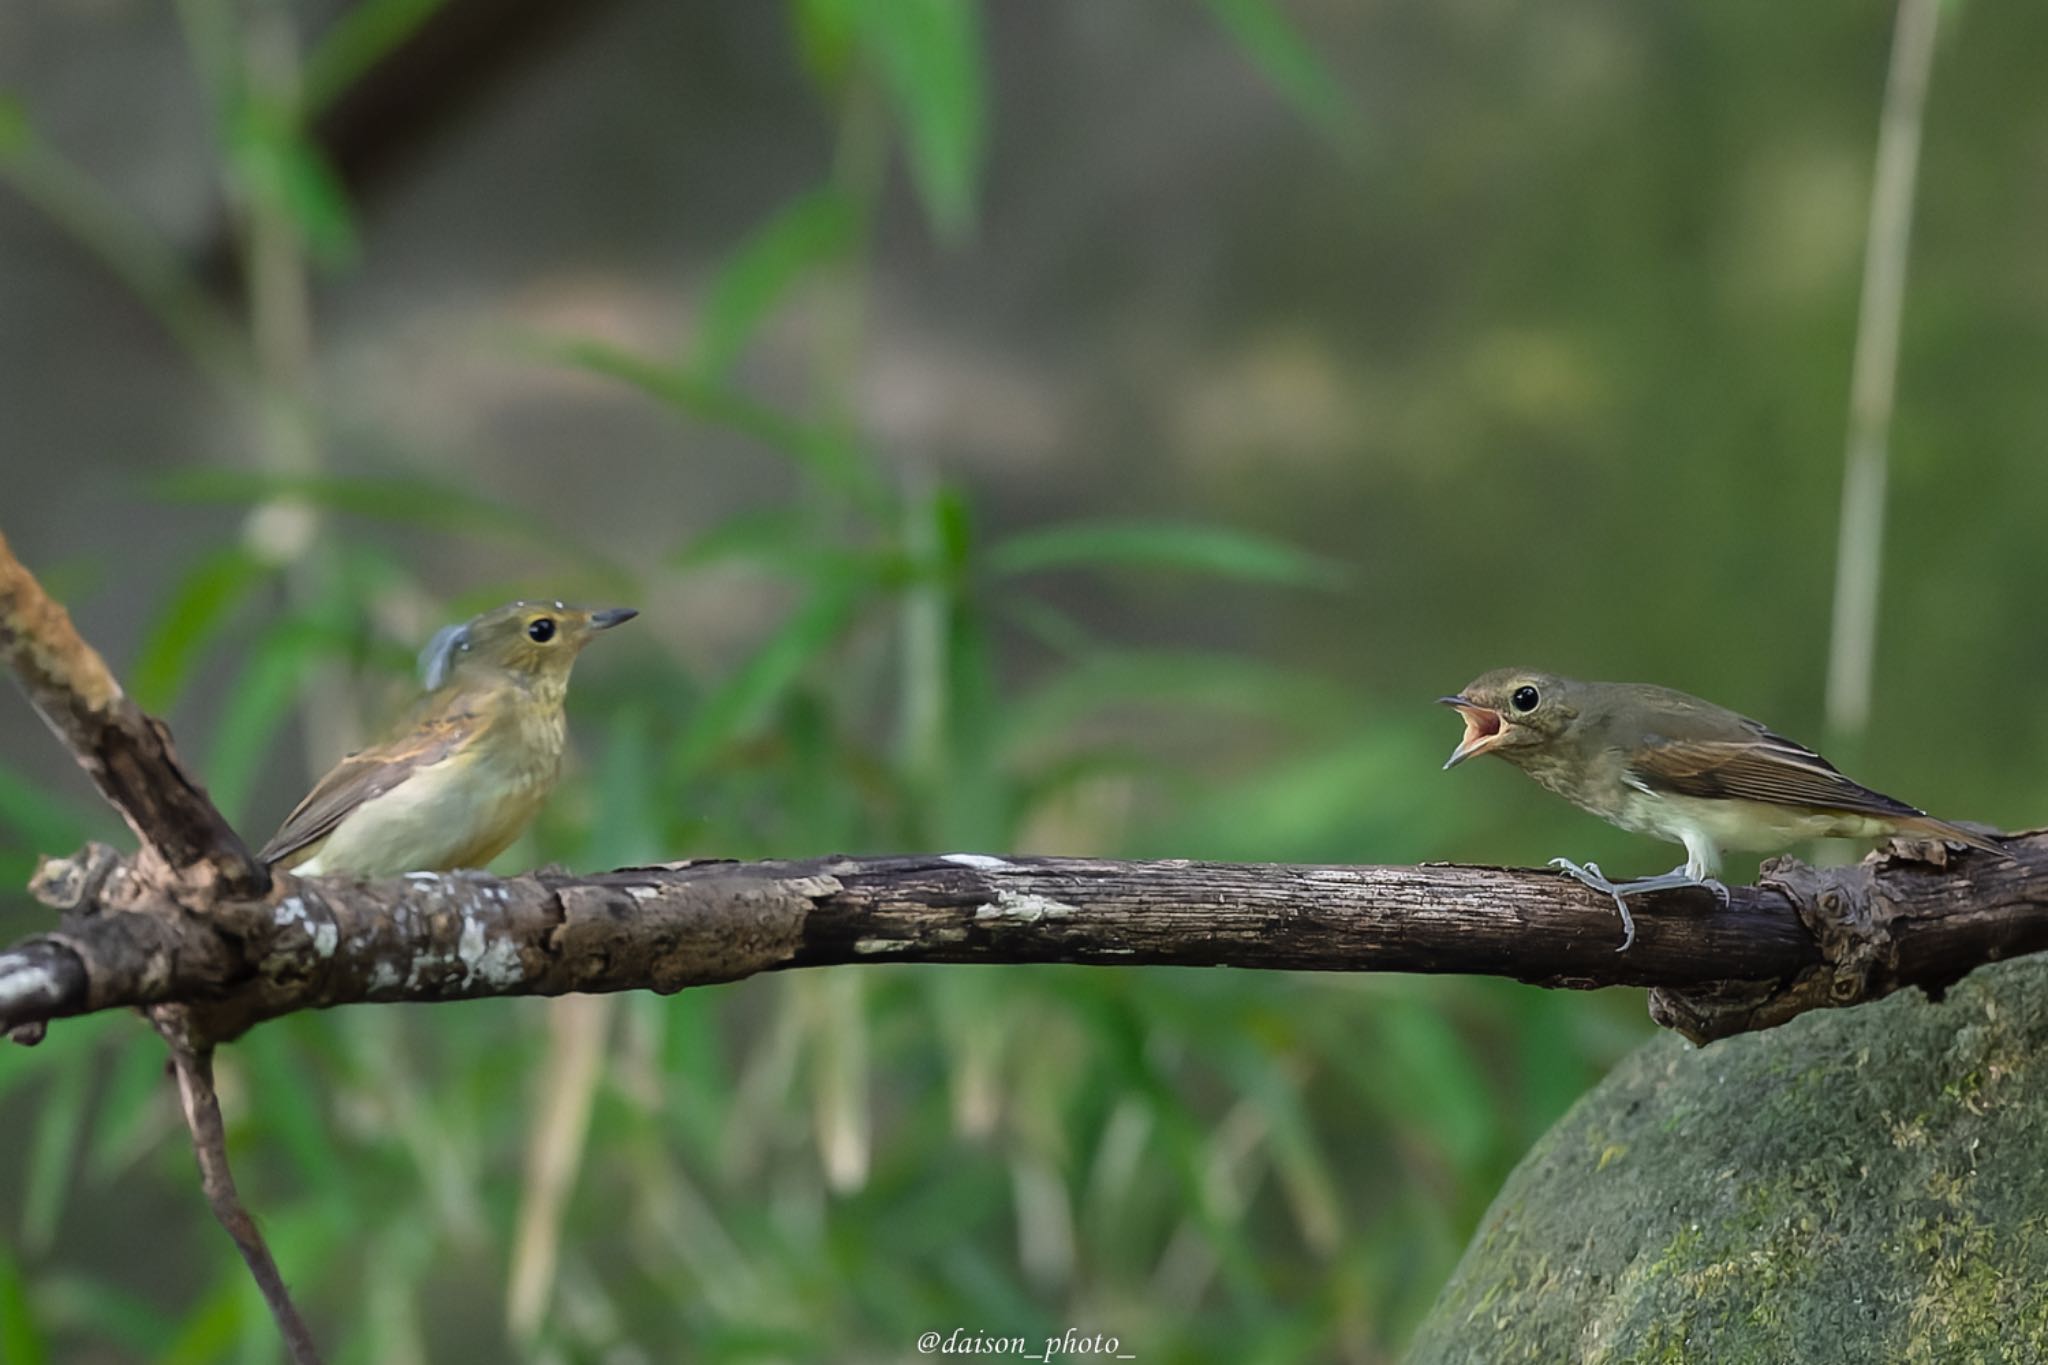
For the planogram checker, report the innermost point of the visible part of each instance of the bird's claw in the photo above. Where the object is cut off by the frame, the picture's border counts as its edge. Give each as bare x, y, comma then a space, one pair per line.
1589, 874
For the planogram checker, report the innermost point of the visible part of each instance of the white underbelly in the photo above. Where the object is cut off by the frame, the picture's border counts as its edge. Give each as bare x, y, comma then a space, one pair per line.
1751, 826
436, 819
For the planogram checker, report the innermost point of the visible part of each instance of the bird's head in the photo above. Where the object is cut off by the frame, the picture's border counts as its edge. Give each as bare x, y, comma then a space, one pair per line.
1514, 712
533, 643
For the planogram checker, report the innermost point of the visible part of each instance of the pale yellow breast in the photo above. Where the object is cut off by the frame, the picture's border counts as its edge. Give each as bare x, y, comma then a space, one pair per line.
461, 812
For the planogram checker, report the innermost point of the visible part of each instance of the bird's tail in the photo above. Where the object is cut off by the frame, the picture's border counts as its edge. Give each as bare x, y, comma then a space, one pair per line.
1929, 827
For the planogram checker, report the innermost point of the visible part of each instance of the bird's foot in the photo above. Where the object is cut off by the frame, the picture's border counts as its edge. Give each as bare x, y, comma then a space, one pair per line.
1589, 874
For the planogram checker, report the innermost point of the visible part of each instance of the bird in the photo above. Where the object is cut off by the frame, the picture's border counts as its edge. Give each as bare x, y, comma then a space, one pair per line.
1657, 761
462, 776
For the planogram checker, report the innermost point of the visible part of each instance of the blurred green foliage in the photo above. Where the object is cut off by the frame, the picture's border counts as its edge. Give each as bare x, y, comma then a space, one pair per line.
823, 1167
1210, 1165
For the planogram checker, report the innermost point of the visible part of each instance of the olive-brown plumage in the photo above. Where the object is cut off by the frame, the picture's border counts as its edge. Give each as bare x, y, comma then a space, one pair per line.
460, 780
1657, 761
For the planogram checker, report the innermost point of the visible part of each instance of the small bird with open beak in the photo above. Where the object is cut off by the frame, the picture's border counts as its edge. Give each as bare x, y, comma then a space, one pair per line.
457, 783
1655, 761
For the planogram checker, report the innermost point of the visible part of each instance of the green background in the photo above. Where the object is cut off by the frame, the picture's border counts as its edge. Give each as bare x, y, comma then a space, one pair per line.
1062, 427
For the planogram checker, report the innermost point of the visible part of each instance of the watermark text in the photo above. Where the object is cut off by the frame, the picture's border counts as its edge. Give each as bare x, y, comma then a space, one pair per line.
1073, 1344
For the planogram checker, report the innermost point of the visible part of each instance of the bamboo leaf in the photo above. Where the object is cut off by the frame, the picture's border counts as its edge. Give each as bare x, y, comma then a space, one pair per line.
199, 609
59, 1118
786, 540
816, 228
708, 399
929, 55
738, 706
15, 131
1287, 59
259, 702
21, 1341
279, 166
357, 40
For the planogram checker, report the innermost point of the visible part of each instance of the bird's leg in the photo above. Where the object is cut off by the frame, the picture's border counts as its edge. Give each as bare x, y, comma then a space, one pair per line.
1590, 875
1677, 878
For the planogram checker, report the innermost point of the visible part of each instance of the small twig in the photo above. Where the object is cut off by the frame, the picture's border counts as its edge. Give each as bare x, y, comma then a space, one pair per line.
1852, 648
194, 1067
127, 753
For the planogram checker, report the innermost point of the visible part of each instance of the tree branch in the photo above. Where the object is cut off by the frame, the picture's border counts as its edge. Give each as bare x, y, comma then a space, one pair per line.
127, 753
194, 921
194, 1067
1802, 939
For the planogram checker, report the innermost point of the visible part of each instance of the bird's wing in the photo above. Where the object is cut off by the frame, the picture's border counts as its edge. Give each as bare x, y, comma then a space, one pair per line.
365, 776
1759, 766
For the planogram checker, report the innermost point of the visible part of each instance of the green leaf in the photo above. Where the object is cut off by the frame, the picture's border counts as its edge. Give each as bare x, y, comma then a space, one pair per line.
258, 704
311, 190
696, 1094
1260, 1075
111, 1315
711, 400
209, 1331
68, 1048
21, 1341
1287, 59
1451, 1107
1057, 630
785, 539
1347, 797
294, 1112
59, 1118
974, 813
199, 608
15, 133
1212, 550
929, 56
818, 227
128, 247
134, 1098
281, 170
626, 832
738, 706
825, 38
354, 43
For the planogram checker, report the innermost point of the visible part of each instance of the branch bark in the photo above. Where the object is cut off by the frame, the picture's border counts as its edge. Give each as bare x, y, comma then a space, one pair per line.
128, 754
193, 1066
1800, 940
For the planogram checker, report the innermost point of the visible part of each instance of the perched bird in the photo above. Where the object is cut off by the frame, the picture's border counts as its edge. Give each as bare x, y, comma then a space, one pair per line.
1655, 761
463, 776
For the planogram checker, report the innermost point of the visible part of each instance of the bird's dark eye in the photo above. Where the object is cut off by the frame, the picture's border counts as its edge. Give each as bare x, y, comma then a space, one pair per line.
541, 630
1525, 699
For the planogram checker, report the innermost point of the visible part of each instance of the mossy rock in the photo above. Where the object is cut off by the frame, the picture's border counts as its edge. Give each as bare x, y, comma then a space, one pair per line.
1859, 1185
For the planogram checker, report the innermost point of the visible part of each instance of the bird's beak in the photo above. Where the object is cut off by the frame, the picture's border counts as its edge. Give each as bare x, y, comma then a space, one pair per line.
1484, 728
612, 616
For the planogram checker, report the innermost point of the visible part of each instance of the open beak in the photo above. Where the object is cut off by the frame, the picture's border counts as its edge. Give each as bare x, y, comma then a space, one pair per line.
612, 616
1484, 728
